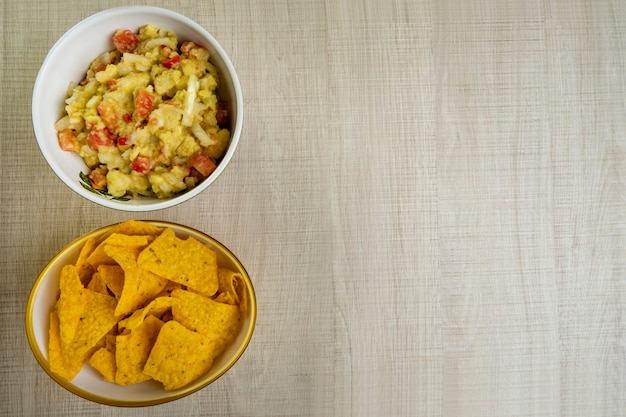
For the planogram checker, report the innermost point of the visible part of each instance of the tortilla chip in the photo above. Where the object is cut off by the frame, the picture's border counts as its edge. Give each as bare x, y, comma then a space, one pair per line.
140, 286
103, 361
132, 228
226, 290
137, 228
244, 301
169, 287
232, 289
179, 356
113, 277
85, 270
56, 356
132, 351
97, 284
157, 308
219, 322
100, 257
54, 343
109, 341
225, 298
71, 302
97, 319
187, 262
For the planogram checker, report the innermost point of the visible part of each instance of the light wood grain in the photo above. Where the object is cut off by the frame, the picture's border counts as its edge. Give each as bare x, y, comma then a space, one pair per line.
428, 195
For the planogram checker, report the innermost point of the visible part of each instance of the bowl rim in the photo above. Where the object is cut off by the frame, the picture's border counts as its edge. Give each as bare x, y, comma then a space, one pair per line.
168, 396
158, 204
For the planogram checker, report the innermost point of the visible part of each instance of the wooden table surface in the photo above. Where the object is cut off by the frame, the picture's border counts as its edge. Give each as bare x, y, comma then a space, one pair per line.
430, 198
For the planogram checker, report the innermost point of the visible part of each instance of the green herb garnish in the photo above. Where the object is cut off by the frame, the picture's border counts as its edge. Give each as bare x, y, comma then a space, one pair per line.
86, 183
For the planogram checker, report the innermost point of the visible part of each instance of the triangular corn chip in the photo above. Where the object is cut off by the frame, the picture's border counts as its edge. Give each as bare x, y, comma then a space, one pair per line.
103, 361
187, 262
71, 302
219, 322
140, 285
113, 277
132, 351
100, 257
179, 356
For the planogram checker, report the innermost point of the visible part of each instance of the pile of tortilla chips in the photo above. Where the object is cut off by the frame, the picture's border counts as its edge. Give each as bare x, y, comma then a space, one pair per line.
140, 304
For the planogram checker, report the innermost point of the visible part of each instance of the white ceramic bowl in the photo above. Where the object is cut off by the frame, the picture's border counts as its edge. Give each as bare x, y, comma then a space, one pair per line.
89, 384
68, 61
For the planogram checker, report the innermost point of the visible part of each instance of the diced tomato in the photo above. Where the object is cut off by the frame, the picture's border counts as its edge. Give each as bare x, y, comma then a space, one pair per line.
122, 141
106, 110
143, 104
100, 66
125, 40
100, 137
67, 140
202, 163
221, 115
101, 62
171, 62
142, 164
127, 117
98, 179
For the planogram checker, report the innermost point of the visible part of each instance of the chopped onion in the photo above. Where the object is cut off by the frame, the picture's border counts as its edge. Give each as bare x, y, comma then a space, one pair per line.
63, 123
192, 92
201, 135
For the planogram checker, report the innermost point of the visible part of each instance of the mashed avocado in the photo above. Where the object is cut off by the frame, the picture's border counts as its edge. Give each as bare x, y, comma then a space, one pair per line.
146, 119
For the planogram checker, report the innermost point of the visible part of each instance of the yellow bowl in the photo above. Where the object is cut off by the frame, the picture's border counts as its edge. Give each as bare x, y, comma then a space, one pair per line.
89, 384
